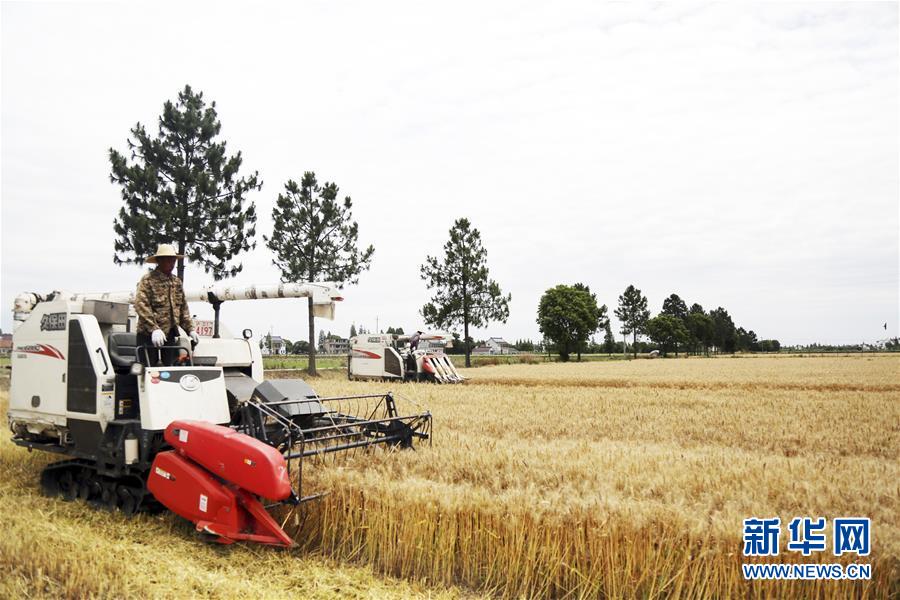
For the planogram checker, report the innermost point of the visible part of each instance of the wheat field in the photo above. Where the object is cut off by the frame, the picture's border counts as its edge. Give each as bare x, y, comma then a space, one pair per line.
612, 479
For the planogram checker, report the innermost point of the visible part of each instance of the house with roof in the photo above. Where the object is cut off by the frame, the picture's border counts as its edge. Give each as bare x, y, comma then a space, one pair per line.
498, 345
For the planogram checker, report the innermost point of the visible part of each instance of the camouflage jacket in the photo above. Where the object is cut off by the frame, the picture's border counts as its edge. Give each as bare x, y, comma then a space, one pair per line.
160, 303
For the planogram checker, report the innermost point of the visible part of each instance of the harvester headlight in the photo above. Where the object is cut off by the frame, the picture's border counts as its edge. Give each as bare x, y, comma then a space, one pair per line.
248, 333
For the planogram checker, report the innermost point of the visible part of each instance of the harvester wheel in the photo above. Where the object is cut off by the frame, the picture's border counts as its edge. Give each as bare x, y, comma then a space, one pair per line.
127, 501
49, 483
68, 487
109, 496
90, 489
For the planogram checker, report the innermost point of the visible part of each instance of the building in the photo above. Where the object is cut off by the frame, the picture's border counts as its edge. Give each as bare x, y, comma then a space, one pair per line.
481, 351
500, 346
277, 345
336, 346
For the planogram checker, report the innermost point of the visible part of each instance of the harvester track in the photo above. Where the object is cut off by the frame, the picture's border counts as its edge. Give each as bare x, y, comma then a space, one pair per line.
80, 479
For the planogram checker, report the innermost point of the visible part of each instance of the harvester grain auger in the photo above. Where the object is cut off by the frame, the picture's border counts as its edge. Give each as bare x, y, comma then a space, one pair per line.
389, 356
206, 438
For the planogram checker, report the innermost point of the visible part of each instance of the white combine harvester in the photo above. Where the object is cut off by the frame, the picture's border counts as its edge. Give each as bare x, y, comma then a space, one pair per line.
388, 356
207, 437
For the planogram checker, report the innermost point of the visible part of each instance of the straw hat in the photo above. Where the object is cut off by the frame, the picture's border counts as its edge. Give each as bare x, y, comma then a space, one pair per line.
163, 250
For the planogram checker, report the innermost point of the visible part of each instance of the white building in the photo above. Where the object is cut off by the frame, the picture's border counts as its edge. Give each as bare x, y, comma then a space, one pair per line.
500, 346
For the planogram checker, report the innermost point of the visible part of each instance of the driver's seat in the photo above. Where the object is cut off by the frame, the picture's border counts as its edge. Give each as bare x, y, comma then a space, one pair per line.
122, 351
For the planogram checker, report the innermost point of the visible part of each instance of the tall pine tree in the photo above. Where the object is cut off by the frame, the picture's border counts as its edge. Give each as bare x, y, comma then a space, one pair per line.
633, 313
464, 294
181, 187
315, 239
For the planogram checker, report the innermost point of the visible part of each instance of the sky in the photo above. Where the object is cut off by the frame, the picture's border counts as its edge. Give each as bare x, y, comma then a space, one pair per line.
740, 155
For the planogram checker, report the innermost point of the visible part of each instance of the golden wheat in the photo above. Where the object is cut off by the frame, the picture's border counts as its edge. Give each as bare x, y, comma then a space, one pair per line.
592, 490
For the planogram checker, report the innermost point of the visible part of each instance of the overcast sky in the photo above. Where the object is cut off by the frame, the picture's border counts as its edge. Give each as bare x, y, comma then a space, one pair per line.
743, 156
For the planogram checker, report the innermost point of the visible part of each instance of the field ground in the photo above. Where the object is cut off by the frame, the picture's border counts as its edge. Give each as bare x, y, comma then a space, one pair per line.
600, 479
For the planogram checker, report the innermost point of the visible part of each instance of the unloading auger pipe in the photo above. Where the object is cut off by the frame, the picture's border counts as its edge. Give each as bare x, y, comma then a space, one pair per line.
323, 294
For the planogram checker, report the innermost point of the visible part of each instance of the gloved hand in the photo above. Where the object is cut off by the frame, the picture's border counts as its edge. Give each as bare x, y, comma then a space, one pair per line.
158, 338
194, 337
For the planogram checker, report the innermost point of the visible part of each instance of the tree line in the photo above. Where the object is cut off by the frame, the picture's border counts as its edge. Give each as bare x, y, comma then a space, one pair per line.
569, 316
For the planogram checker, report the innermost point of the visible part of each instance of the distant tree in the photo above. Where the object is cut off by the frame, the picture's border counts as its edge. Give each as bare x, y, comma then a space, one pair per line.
464, 294
300, 347
352, 330
696, 309
602, 319
769, 345
524, 345
701, 330
746, 341
181, 188
269, 342
633, 313
724, 335
315, 238
609, 341
567, 316
667, 331
288, 345
674, 306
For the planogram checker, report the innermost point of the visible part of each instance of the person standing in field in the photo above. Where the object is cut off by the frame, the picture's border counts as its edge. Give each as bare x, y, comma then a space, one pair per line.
161, 306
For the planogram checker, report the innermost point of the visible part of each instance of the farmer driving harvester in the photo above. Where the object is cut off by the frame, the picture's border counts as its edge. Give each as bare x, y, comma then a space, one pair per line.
161, 307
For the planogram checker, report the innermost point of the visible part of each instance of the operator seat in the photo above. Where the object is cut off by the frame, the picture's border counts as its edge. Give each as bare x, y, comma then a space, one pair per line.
122, 351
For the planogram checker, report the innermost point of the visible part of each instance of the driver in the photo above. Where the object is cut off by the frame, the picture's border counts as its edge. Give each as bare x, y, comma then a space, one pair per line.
161, 307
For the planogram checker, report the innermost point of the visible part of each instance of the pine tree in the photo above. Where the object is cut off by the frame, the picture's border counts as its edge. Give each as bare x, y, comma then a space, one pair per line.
180, 187
633, 313
315, 238
463, 292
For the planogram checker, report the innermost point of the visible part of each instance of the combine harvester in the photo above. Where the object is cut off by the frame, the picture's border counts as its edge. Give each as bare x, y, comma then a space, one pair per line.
208, 438
388, 356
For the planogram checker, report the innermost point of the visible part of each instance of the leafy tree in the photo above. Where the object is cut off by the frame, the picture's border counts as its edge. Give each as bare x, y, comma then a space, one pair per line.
674, 306
464, 294
567, 316
696, 309
633, 313
746, 341
667, 331
181, 187
724, 335
602, 319
300, 347
769, 345
700, 328
315, 238
352, 330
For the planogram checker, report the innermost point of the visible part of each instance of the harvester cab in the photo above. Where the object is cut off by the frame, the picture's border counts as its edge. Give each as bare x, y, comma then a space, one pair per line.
205, 436
391, 357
